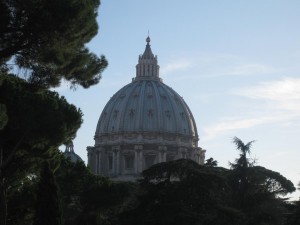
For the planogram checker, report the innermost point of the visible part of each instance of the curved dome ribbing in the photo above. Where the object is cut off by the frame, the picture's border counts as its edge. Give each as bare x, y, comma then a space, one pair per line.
147, 106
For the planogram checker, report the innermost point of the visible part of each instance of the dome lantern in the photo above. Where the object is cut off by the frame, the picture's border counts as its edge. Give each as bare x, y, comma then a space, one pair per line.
70, 153
147, 67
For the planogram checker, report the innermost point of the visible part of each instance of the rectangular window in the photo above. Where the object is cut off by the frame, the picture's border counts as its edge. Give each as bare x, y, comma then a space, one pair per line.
149, 160
170, 157
129, 162
110, 162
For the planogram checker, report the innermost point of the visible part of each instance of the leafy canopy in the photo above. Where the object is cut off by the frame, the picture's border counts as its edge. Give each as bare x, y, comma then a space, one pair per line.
47, 39
38, 122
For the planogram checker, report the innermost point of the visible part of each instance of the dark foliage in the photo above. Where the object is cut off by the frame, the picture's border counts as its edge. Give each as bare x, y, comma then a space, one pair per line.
38, 122
257, 189
47, 39
48, 206
183, 192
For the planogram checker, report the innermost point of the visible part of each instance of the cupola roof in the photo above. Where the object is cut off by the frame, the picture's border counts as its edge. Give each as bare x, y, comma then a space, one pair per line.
147, 105
70, 153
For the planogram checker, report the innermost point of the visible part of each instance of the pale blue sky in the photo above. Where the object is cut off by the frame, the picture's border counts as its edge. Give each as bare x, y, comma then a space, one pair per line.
236, 64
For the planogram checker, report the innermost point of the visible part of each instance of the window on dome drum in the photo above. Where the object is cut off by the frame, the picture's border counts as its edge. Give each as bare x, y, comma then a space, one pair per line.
149, 160
170, 157
129, 162
110, 162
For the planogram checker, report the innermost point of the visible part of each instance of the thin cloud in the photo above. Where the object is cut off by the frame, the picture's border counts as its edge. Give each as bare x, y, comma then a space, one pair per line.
283, 107
215, 65
251, 69
231, 124
287, 89
175, 66
282, 94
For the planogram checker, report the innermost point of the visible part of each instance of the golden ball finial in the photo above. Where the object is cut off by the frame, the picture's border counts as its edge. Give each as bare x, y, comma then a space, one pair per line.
148, 39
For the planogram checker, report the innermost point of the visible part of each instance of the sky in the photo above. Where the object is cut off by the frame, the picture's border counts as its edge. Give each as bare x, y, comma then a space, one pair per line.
236, 63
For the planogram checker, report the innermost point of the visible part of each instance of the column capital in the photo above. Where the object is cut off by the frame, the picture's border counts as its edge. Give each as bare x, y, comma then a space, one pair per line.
182, 149
116, 148
162, 148
138, 147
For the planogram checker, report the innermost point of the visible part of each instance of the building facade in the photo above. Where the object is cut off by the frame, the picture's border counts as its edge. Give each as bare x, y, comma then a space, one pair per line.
144, 123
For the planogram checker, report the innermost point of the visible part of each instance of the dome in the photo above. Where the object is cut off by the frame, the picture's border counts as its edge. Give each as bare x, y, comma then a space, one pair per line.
147, 106
144, 123
69, 153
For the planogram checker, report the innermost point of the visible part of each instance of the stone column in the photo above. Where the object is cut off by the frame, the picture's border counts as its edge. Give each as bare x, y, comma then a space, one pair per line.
162, 154
165, 154
138, 158
118, 162
97, 163
136, 161
182, 153
100, 162
89, 156
202, 156
116, 159
140, 161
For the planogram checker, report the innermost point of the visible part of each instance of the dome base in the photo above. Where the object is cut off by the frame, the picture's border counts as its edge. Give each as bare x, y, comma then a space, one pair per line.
126, 162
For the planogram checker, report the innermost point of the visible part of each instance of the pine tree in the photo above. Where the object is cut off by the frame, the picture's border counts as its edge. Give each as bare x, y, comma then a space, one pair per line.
48, 40
258, 191
48, 205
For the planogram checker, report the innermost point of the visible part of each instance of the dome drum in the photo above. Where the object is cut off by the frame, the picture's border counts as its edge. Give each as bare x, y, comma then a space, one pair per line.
128, 161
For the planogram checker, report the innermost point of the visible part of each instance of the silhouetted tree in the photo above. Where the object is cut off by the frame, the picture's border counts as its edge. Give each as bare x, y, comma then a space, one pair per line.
257, 190
293, 217
48, 207
47, 39
38, 122
211, 162
183, 192
102, 201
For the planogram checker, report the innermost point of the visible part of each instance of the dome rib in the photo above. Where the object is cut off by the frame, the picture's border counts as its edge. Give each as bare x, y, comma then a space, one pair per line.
158, 106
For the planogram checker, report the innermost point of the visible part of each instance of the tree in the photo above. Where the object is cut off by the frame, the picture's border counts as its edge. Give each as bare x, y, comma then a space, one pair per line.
3, 116
293, 217
183, 192
47, 39
73, 179
48, 206
21, 204
257, 190
87, 198
38, 122
211, 162
102, 201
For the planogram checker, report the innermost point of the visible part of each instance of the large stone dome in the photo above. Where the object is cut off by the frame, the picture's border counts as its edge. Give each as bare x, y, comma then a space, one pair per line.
144, 123
146, 106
